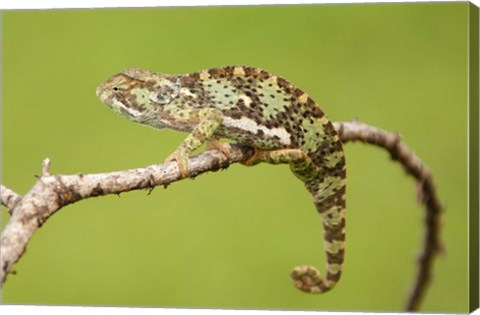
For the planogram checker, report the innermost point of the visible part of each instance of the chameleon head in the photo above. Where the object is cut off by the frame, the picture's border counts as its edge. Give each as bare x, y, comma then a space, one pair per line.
135, 93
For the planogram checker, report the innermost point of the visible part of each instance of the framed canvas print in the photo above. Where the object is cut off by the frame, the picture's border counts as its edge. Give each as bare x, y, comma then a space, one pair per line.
298, 157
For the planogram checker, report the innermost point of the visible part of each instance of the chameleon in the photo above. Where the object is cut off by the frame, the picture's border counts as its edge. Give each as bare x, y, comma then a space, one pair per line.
253, 107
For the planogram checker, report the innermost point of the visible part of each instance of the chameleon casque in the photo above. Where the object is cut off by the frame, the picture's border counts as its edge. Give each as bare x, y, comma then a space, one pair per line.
255, 108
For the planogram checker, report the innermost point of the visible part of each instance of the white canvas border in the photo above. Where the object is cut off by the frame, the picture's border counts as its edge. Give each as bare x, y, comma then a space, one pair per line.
81, 310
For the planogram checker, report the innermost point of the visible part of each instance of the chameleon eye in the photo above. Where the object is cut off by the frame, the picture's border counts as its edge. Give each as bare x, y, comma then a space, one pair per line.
115, 89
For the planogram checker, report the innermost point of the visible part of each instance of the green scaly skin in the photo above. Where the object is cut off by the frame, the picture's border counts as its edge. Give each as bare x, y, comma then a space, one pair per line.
252, 107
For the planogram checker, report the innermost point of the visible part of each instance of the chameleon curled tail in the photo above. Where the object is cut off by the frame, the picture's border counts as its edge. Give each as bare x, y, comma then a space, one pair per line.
332, 210
324, 177
322, 169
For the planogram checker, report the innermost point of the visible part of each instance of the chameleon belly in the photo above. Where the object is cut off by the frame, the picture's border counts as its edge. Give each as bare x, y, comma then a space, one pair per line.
253, 107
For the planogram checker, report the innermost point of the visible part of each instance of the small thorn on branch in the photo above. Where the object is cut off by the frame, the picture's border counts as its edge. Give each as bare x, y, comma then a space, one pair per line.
46, 167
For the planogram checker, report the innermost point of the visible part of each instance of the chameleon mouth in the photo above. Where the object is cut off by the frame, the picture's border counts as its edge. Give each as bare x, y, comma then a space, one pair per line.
100, 91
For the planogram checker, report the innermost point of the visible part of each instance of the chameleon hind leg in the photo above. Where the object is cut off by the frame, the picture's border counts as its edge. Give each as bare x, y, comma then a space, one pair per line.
328, 196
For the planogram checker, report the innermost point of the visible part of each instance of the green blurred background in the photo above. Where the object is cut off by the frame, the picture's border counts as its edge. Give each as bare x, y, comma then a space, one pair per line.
229, 239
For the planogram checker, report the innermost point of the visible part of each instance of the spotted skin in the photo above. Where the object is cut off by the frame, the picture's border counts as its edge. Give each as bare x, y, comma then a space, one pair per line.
256, 108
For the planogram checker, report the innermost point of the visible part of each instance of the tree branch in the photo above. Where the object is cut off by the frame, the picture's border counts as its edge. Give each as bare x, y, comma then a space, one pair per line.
426, 195
52, 192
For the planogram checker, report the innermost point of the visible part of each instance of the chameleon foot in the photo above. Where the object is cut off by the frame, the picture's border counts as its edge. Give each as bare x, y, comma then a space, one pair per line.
257, 157
223, 147
183, 163
309, 279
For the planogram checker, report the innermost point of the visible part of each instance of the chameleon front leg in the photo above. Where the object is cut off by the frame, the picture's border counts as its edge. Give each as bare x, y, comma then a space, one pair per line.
208, 121
328, 196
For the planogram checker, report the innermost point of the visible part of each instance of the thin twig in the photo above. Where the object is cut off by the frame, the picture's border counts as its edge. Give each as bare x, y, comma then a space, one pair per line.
51, 192
9, 198
399, 151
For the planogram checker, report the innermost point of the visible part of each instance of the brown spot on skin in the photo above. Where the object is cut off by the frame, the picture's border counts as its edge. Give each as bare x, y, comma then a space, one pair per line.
283, 83
264, 75
336, 258
330, 201
249, 71
215, 72
334, 276
236, 115
334, 234
192, 77
298, 93
229, 70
